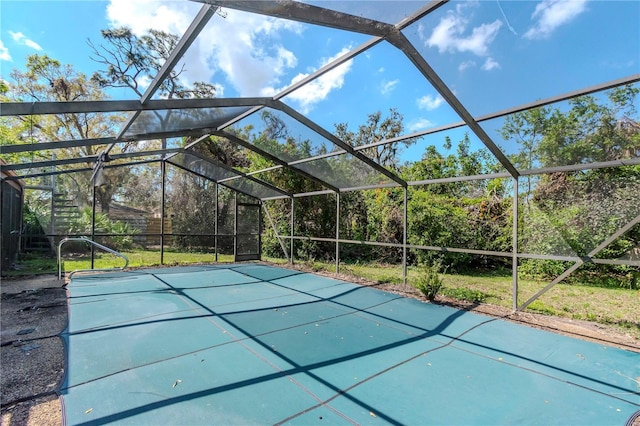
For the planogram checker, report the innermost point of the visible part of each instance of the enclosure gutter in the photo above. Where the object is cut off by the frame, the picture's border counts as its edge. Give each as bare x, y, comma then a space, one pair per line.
135, 105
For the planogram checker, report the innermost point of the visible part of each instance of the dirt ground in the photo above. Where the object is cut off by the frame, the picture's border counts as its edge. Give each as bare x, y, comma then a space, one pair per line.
34, 313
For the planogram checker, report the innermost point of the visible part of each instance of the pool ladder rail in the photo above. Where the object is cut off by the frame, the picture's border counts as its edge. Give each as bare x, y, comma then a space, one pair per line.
87, 240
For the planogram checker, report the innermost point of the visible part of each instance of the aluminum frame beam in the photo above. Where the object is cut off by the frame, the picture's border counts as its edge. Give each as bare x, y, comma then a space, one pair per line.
207, 178
84, 169
514, 246
9, 109
401, 42
48, 163
328, 67
41, 146
275, 159
634, 78
202, 18
24, 108
91, 159
237, 172
467, 251
197, 25
420, 13
519, 108
309, 14
336, 141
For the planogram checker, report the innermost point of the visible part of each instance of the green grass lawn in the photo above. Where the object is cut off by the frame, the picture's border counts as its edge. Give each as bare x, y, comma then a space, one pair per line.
618, 307
142, 258
30, 264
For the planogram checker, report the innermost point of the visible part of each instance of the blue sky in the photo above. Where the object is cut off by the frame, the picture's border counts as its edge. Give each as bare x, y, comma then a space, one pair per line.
493, 54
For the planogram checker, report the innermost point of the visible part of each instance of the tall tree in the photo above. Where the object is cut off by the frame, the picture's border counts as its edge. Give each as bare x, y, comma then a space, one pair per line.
590, 130
464, 162
131, 61
578, 210
44, 80
377, 129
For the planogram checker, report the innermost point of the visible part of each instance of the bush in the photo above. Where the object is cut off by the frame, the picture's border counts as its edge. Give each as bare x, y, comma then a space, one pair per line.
103, 225
429, 282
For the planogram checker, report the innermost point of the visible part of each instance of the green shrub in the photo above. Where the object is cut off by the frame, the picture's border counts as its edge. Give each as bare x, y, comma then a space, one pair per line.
103, 225
429, 282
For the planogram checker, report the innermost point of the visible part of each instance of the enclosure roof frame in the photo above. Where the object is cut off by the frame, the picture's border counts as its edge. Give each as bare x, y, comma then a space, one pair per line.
308, 14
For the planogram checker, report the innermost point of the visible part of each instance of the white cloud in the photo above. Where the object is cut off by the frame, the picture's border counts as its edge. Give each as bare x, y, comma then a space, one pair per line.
420, 124
254, 60
429, 102
317, 90
144, 82
219, 90
450, 35
466, 64
141, 15
388, 86
4, 52
490, 64
22, 39
550, 14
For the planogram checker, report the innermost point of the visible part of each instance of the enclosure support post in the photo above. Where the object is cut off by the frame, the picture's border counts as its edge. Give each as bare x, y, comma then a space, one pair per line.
337, 232
93, 224
52, 228
404, 240
215, 227
260, 231
514, 258
163, 170
235, 225
292, 230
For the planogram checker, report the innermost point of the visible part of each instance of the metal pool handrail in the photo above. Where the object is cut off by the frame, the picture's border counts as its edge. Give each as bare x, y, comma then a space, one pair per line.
87, 240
